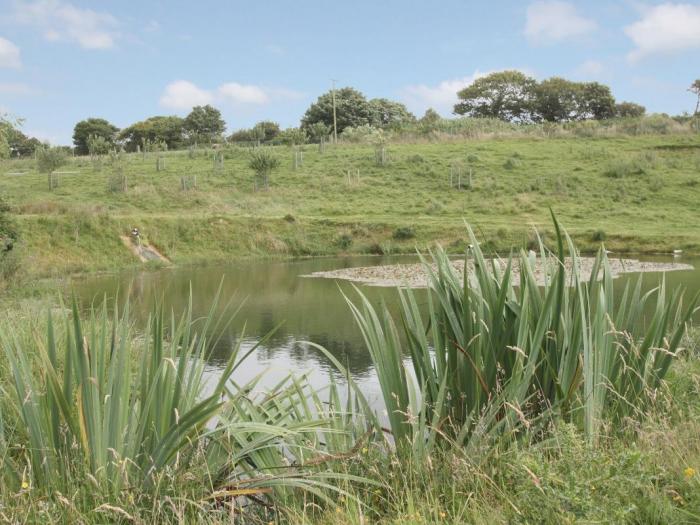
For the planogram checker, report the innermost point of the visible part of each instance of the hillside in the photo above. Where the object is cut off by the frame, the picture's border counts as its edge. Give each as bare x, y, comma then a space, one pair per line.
639, 194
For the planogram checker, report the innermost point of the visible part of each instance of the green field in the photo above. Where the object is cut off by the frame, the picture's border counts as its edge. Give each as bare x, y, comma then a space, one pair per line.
639, 194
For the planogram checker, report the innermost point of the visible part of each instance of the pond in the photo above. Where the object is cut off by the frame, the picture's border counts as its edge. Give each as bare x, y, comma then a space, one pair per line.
272, 293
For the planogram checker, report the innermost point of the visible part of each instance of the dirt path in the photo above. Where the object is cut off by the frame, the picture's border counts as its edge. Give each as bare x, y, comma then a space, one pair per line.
144, 252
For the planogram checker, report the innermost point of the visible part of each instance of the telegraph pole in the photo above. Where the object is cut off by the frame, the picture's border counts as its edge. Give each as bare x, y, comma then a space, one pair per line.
335, 122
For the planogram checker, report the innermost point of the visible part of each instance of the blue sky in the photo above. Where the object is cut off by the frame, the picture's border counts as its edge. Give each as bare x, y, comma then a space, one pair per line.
62, 61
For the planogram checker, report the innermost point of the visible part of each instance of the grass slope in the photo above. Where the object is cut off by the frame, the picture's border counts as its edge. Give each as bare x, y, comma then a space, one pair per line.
640, 194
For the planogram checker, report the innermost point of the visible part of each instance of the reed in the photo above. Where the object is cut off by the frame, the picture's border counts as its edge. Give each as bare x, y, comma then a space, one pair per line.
494, 354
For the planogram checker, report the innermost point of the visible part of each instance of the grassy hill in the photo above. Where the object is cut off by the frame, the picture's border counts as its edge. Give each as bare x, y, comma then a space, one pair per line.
639, 194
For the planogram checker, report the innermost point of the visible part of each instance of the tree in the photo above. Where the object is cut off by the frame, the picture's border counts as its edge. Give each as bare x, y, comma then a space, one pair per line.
49, 159
695, 88
557, 100
430, 120
292, 137
352, 110
262, 162
267, 129
319, 132
169, 130
97, 127
560, 100
387, 113
507, 95
8, 237
629, 110
595, 101
204, 123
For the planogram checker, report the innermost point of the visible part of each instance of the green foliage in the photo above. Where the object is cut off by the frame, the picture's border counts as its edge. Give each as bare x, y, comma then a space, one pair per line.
429, 121
387, 113
506, 95
98, 146
106, 414
629, 110
344, 241
352, 109
49, 159
496, 353
404, 233
319, 132
263, 162
561, 100
204, 123
292, 137
167, 130
92, 127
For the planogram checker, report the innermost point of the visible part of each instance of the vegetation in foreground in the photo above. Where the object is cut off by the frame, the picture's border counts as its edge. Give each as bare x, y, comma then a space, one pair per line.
554, 404
200, 206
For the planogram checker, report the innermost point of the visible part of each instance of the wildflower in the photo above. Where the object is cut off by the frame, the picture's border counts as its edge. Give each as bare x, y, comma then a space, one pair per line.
442, 515
25, 485
364, 450
338, 510
689, 472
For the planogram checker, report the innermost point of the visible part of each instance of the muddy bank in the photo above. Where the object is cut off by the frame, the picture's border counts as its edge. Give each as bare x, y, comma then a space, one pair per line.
415, 275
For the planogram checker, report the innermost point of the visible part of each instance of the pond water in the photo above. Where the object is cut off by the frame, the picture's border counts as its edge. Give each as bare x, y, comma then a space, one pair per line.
275, 293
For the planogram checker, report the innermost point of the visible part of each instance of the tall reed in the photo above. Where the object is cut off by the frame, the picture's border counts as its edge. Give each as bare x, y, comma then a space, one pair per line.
493, 353
99, 411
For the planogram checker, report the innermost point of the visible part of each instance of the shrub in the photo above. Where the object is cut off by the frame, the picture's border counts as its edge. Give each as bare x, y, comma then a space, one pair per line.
598, 236
403, 233
344, 241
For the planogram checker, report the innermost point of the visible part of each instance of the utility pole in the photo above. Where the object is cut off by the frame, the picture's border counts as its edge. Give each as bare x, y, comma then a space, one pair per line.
335, 122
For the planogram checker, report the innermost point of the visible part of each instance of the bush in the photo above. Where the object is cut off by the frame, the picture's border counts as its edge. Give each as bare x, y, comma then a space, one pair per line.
344, 241
598, 236
403, 233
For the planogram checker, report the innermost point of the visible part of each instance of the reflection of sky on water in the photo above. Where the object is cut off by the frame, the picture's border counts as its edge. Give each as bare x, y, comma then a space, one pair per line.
273, 296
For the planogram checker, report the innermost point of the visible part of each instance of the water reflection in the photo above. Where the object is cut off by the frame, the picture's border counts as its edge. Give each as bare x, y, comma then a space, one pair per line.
274, 295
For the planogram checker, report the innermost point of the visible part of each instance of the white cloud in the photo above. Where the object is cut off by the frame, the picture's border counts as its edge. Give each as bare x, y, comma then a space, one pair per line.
183, 95
441, 97
590, 69
242, 94
665, 28
553, 20
9, 54
63, 21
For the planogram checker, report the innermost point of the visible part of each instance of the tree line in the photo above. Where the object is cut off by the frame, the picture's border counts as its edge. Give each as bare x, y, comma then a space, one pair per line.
510, 96
515, 97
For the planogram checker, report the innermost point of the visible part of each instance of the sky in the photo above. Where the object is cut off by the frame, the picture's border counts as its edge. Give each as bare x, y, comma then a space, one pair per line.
62, 61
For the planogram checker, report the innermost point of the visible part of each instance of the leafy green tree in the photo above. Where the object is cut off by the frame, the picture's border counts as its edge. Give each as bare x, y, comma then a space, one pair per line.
388, 113
48, 160
595, 101
97, 127
292, 137
242, 135
560, 100
97, 146
169, 130
506, 95
262, 162
268, 130
695, 88
352, 110
204, 123
319, 132
557, 100
629, 109
430, 120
